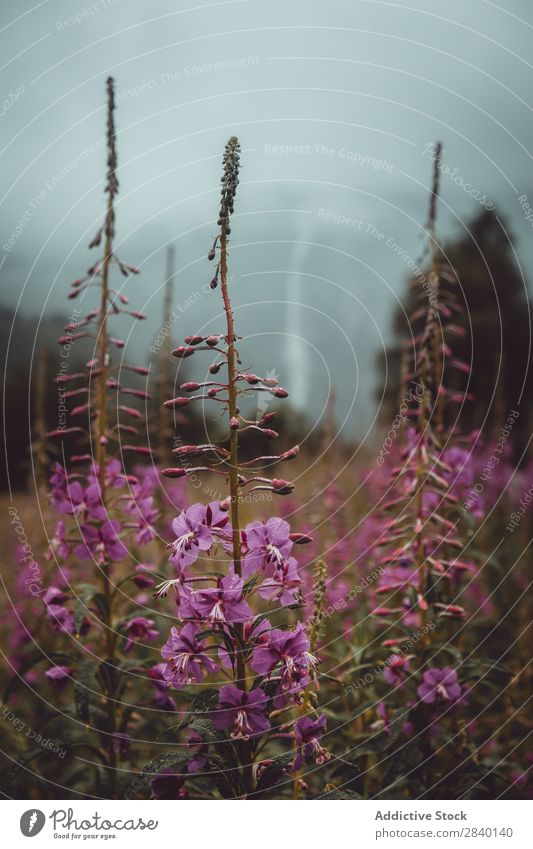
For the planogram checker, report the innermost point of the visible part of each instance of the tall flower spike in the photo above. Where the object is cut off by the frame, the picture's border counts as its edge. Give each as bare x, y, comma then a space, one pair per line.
261, 558
111, 190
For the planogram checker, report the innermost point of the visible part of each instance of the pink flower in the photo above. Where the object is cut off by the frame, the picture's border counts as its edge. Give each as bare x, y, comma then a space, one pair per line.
222, 605
283, 585
267, 545
308, 732
139, 629
101, 543
396, 669
185, 657
192, 536
439, 685
243, 712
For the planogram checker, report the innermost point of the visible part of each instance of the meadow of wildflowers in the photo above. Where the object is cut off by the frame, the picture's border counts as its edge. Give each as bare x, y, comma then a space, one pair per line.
201, 614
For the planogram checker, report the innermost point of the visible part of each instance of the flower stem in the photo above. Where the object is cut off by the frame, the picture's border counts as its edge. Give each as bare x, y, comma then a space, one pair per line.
246, 755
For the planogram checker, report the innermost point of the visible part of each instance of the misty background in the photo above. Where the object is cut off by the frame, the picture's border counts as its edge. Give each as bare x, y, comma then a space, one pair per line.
336, 106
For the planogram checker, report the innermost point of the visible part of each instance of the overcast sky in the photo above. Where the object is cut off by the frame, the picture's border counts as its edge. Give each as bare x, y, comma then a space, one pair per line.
335, 104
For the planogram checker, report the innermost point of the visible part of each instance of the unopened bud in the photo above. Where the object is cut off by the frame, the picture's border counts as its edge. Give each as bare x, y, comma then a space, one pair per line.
290, 454
300, 539
193, 340
280, 392
181, 352
177, 402
282, 487
234, 423
174, 473
191, 386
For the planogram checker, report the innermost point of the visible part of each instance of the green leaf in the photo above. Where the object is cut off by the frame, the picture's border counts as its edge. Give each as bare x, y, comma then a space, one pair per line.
177, 760
83, 687
204, 703
274, 773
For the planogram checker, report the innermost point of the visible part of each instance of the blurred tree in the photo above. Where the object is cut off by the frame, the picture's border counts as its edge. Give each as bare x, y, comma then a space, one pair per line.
497, 315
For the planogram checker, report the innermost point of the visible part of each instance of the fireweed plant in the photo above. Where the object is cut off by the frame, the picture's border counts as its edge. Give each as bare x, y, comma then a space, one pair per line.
101, 508
237, 727
422, 554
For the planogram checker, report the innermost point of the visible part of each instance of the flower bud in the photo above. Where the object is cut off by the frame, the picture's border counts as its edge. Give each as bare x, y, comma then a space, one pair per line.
190, 386
176, 402
64, 431
290, 454
182, 352
279, 392
212, 340
193, 340
282, 487
300, 539
174, 473
234, 423
270, 434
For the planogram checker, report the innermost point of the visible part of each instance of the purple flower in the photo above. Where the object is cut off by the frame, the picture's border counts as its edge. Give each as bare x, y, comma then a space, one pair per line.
308, 733
196, 743
114, 476
121, 743
58, 674
439, 685
139, 628
162, 699
168, 784
290, 649
222, 605
61, 618
101, 543
382, 723
283, 585
58, 544
192, 536
283, 647
396, 669
84, 503
145, 514
243, 712
185, 657
54, 595
267, 546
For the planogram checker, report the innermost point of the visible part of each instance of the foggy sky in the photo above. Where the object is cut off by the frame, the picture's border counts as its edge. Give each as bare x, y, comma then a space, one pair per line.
335, 104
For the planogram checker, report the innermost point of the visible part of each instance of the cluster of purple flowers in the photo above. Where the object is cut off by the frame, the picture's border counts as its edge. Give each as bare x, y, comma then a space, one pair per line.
275, 655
